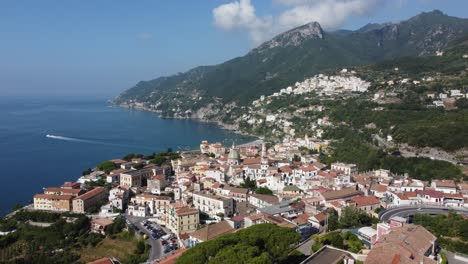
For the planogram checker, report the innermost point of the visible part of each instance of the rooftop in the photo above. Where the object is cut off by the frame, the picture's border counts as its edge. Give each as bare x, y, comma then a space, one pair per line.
212, 231
91, 194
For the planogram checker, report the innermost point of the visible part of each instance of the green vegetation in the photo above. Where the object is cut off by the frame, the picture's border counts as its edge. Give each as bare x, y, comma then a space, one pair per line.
355, 148
346, 241
131, 156
249, 184
54, 244
451, 230
163, 157
66, 240
123, 246
263, 243
264, 190
107, 166
351, 217
265, 70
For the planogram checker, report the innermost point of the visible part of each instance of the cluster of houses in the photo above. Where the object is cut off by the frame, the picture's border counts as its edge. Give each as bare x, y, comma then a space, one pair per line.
447, 100
201, 196
323, 85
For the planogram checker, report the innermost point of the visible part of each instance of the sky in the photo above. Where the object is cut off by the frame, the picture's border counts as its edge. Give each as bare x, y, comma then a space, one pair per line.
98, 48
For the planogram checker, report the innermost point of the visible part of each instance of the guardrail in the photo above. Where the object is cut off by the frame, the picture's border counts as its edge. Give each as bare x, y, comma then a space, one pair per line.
421, 206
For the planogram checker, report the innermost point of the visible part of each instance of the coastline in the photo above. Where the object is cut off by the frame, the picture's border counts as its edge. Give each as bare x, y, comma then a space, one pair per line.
220, 124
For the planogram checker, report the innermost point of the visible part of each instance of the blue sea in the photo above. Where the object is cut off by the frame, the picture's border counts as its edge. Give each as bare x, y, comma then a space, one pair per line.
84, 133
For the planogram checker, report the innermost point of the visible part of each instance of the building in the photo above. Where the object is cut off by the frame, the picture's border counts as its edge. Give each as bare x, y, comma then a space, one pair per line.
53, 202
156, 184
367, 204
263, 200
84, 202
340, 195
348, 169
99, 225
214, 205
404, 244
118, 197
210, 232
183, 219
445, 186
63, 191
152, 204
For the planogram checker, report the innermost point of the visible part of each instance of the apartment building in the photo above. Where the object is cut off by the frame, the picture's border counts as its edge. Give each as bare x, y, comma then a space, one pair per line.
82, 203
183, 219
214, 205
53, 202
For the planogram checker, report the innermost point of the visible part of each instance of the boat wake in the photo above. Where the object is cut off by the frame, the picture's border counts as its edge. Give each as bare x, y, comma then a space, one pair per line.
90, 141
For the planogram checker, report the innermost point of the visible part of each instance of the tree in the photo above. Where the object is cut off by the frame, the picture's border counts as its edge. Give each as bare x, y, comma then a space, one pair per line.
462, 103
138, 166
140, 247
249, 184
264, 190
131, 156
262, 243
107, 166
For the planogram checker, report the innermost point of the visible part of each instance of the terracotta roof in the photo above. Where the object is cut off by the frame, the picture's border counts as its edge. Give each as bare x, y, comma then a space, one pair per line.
431, 193
63, 190
91, 194
249, 161
445, 183
301, 219
341, 194
453, 195
102, 261
309, 168
53, 196
186, 211
286, 169
378, 188
237, 218
320, 217
271, 199
212, 231
365, 200
411, 242
71, 185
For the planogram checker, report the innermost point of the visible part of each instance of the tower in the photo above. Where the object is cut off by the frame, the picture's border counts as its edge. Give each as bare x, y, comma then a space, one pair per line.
264, 162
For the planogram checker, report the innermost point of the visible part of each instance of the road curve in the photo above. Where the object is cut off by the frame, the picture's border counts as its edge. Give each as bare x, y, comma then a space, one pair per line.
412, 210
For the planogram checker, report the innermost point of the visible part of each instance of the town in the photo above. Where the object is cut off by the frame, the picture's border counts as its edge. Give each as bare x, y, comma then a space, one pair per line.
196, 196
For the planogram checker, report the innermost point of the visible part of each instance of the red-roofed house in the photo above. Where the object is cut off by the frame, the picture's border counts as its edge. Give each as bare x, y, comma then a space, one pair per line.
365, 203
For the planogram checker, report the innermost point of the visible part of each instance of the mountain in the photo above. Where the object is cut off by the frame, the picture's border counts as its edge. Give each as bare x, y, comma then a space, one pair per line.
290, 57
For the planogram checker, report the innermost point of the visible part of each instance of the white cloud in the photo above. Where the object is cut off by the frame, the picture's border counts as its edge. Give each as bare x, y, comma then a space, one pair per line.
331, 14
241, 15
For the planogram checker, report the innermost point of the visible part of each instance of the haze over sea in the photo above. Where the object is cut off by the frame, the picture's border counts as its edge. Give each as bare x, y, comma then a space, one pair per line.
85, 132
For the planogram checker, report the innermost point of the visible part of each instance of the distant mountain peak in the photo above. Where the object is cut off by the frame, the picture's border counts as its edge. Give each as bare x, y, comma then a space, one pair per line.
295, 36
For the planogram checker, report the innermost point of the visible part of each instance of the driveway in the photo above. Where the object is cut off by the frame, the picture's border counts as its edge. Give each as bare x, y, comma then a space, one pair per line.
306, 247
156, 247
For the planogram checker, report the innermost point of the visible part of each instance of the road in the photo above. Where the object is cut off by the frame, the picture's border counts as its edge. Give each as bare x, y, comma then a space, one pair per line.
306, 247
412, 210
156, 247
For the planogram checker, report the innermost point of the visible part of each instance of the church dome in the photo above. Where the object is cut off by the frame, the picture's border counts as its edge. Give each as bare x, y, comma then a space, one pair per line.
234, 155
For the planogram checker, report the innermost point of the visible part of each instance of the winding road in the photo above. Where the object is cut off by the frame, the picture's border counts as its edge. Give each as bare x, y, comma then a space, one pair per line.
405, 211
